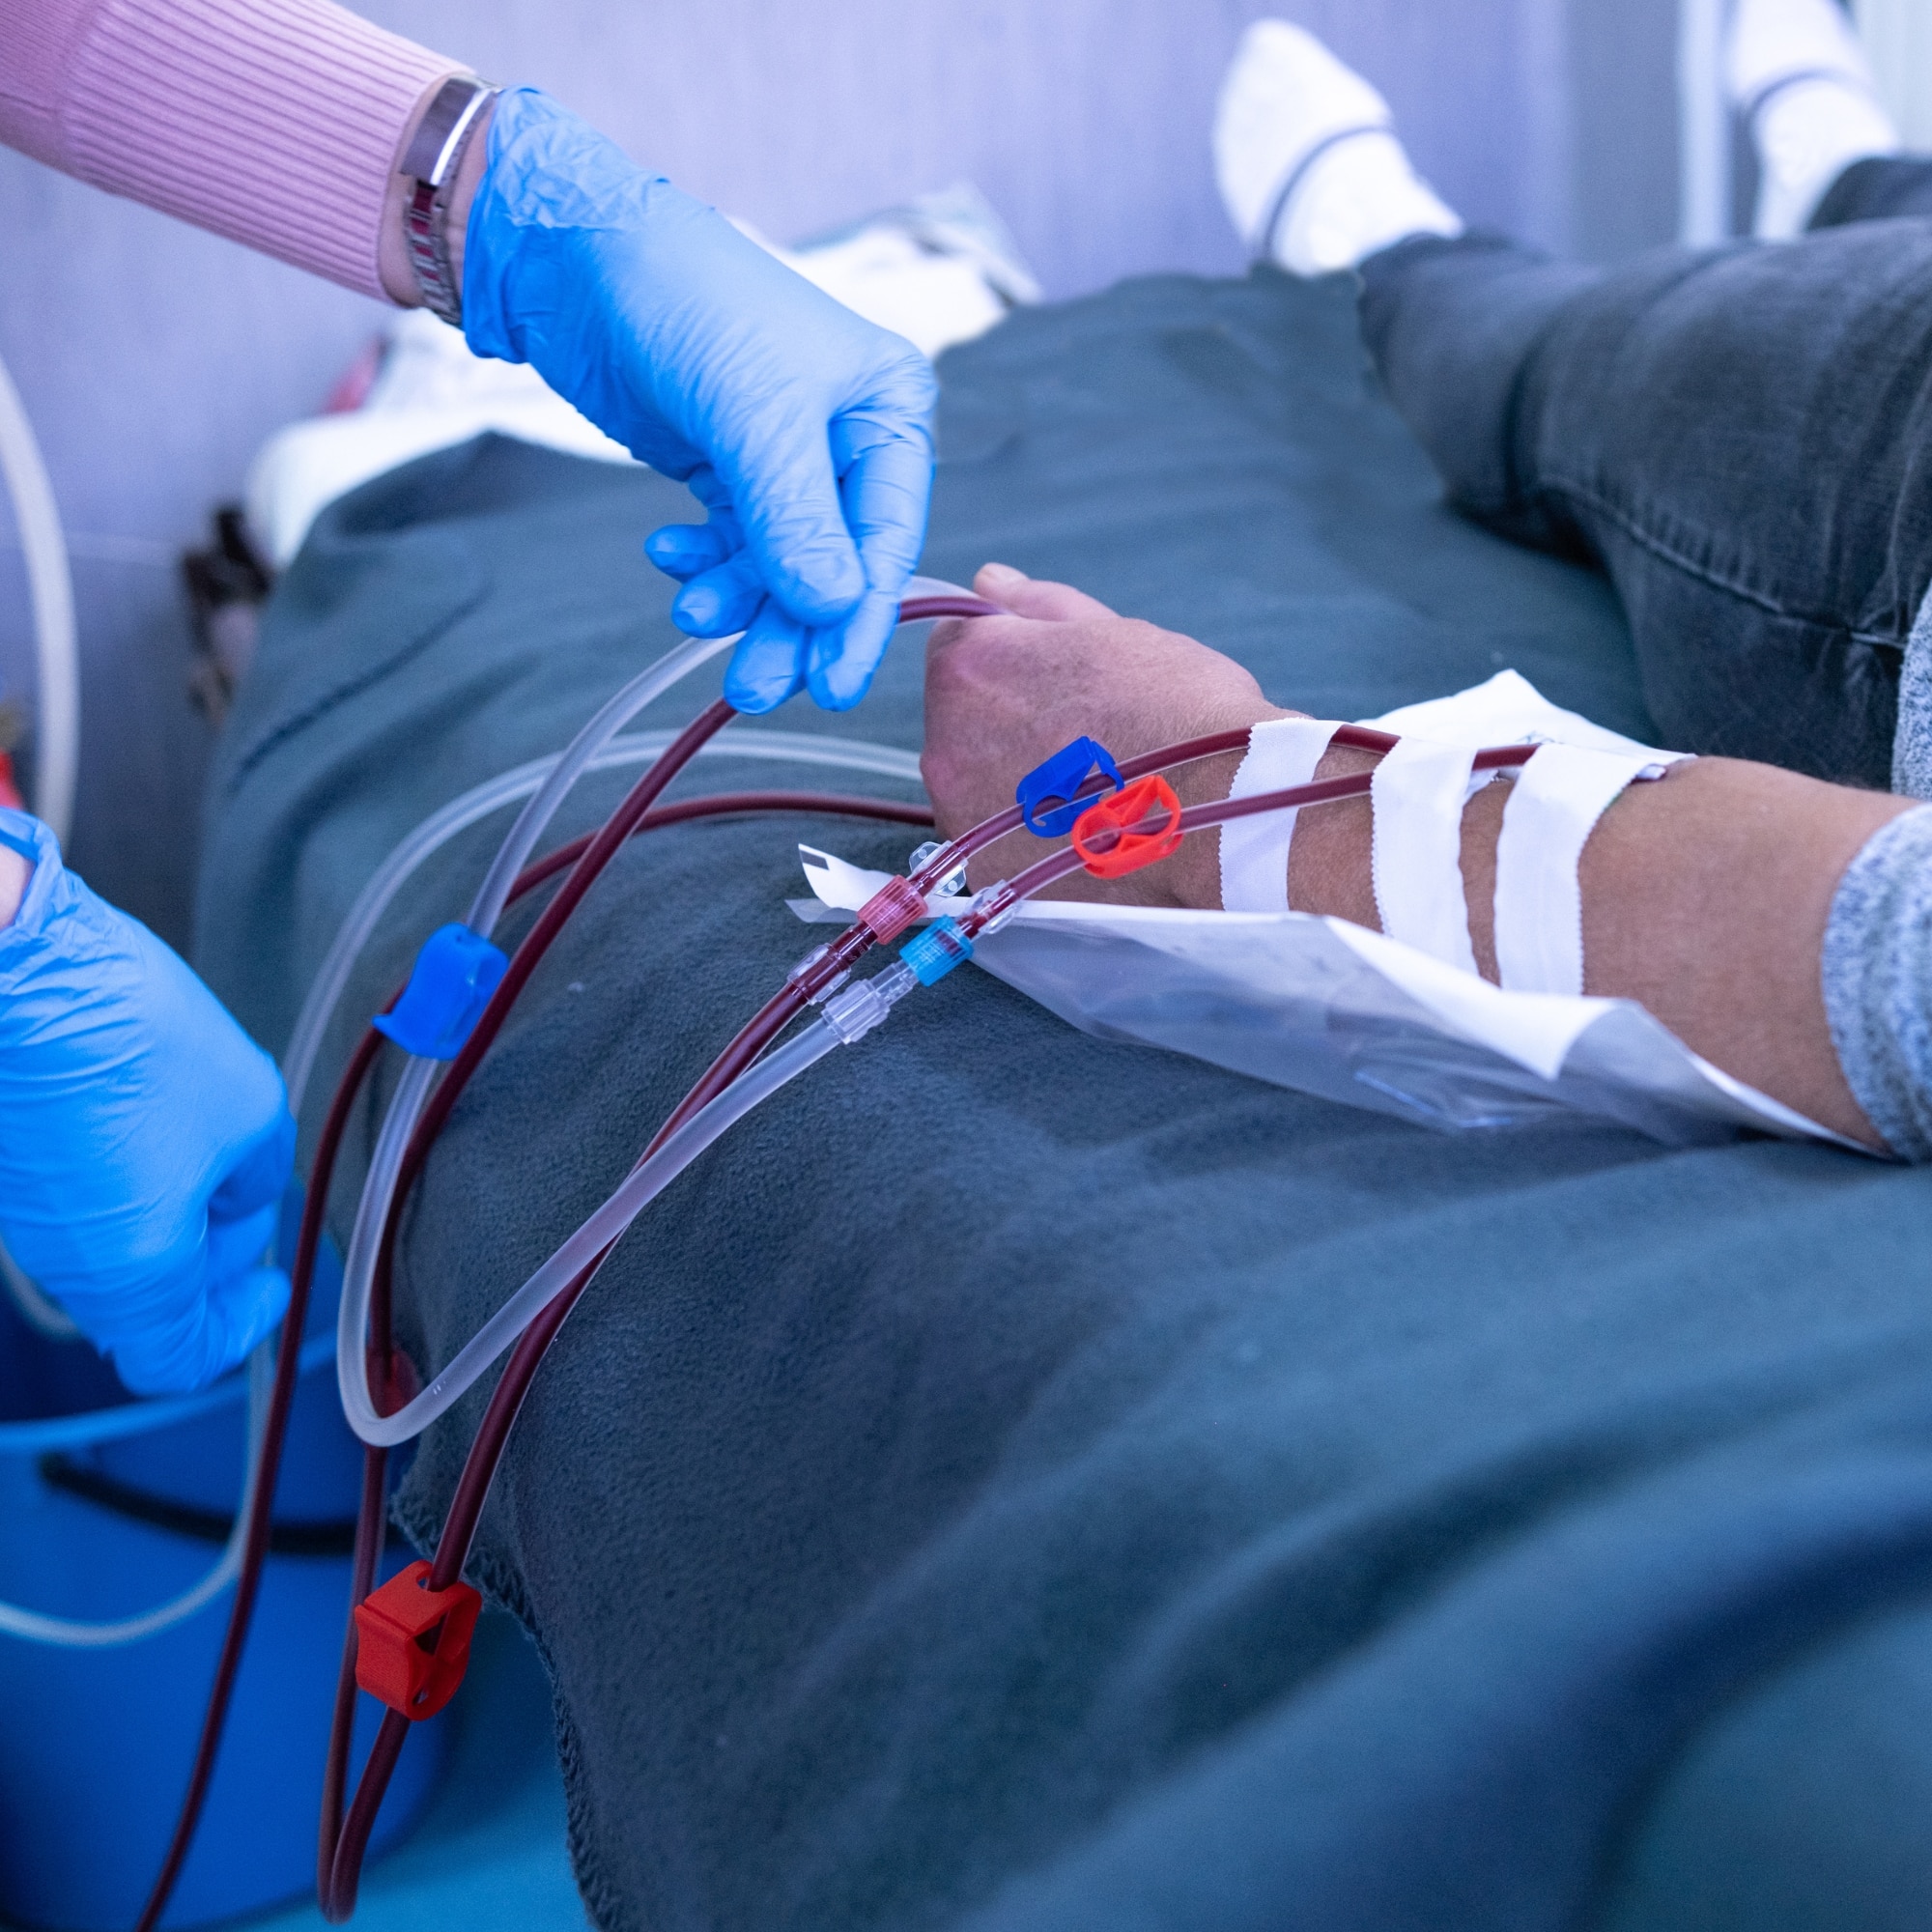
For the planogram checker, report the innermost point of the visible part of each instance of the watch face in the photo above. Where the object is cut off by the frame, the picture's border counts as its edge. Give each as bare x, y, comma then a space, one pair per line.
434, 146
434, 150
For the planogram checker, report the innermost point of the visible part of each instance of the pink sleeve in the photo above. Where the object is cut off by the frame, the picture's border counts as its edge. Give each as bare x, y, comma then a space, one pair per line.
275, 122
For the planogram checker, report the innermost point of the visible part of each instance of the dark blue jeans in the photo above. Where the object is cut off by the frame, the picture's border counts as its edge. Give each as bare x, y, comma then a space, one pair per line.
1741, 437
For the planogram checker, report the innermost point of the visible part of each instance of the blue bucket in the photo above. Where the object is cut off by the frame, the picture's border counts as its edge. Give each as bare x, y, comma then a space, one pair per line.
111, 1506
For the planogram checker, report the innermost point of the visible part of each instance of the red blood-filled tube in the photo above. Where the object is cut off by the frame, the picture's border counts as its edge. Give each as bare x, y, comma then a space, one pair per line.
923, 610
261, 1512
1062, 864
597, 855
371, 1523
345, 1874
513, 1383
720, 805
371, 1514
1356, 737
341, 1856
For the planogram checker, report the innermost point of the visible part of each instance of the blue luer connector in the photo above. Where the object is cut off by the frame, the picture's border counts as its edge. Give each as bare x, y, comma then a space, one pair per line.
934, 952
1059, 778
453, 978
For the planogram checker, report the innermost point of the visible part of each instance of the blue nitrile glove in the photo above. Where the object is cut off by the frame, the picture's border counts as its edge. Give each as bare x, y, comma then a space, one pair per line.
803, 429
145, 1139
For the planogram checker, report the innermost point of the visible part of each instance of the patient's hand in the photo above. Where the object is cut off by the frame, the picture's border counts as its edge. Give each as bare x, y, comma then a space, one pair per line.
1003, 694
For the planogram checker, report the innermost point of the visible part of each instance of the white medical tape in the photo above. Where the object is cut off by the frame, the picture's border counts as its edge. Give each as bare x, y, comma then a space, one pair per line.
1281, 751
1552, 809
1419, 791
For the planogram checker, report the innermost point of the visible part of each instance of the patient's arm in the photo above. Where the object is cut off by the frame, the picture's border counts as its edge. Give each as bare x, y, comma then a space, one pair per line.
1705, 894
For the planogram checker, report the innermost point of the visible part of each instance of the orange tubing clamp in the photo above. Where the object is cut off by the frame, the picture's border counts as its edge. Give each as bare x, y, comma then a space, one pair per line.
1119, 822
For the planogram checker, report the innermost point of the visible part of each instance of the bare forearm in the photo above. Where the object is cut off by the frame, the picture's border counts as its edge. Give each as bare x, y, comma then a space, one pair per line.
1705, 898
1706, 894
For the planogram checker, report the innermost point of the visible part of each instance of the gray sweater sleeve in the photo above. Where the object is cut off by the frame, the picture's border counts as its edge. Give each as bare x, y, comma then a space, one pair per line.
1877, 960
1877, 971
1911, 744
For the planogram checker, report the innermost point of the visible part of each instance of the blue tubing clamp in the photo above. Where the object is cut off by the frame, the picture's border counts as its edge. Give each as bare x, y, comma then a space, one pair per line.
1059, 777
451, 984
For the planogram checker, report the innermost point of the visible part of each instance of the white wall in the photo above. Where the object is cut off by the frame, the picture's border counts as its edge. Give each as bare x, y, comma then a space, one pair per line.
1898, 35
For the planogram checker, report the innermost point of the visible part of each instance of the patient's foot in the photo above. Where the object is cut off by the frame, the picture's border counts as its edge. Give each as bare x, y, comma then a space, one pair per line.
1311, 172
1795, 69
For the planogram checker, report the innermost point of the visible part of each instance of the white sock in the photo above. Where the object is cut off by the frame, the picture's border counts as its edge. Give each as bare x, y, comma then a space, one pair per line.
1808, 132
1310, 170
1356, 198
1795, 68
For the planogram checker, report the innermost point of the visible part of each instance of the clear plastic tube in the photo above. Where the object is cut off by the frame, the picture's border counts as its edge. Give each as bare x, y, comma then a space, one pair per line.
918, 587
331, 979
494, 893
49, 1435
404, 1114
550, 792
639, 1188
358, 1267
412, 1091
70, 1633
545, 782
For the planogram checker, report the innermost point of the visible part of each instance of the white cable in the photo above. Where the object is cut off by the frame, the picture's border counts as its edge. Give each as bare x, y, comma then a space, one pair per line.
69, 1634
56, 774
50, 587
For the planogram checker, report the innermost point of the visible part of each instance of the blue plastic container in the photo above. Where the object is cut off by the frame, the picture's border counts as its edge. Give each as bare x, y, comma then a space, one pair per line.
95, 1744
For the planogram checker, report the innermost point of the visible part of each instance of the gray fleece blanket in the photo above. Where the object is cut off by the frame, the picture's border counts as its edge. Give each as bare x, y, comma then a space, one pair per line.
1025, 1482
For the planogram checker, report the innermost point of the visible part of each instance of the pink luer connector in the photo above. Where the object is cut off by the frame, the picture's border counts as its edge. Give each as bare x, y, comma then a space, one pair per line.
897, 904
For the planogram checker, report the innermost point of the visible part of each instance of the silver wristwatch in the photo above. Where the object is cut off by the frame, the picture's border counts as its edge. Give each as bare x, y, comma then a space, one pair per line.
435, 151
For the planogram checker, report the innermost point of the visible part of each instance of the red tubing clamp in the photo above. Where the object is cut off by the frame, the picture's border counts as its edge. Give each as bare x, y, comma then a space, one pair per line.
1112, 839
413, 1642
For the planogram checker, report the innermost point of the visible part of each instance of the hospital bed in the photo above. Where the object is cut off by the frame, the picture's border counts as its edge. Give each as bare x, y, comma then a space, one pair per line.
1022, 1479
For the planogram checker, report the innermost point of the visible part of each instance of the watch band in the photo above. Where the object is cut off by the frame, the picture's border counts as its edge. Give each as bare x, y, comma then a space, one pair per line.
431, 161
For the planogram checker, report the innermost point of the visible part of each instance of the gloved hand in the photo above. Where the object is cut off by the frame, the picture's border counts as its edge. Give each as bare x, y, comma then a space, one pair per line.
145, 1140
803, 429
